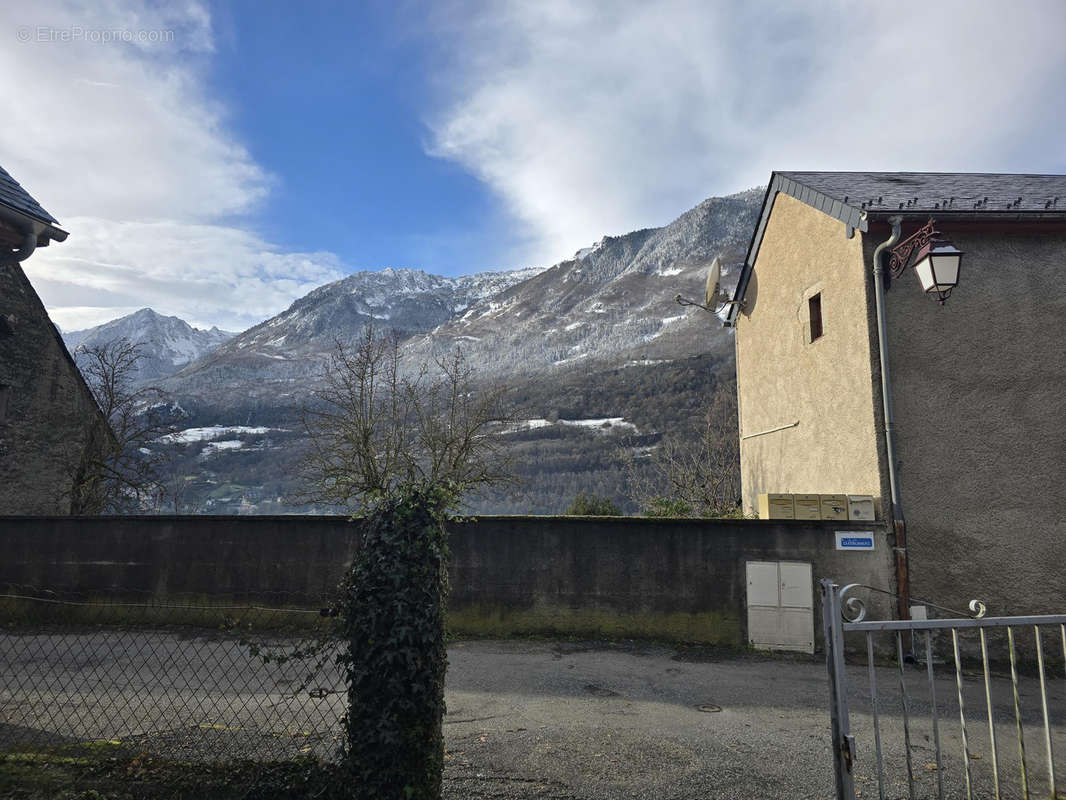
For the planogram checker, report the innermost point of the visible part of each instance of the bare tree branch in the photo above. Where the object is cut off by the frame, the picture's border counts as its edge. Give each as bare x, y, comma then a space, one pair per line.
692, 476
373, 428
120, 475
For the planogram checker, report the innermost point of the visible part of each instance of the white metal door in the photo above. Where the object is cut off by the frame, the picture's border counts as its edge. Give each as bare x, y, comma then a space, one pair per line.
780, 605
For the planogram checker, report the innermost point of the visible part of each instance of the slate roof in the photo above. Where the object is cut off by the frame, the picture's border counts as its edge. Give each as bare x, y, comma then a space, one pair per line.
926, 192
857, 197
14, 196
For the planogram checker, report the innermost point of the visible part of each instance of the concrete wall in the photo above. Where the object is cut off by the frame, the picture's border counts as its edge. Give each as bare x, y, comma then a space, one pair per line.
980, 395
671, 579
48, 418
783, 377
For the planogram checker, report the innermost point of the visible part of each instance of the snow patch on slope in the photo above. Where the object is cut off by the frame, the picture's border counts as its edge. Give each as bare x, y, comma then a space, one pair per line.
206, 434
601, 425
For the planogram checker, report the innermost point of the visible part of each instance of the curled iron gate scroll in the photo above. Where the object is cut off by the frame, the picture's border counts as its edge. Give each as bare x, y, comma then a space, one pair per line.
1002, 683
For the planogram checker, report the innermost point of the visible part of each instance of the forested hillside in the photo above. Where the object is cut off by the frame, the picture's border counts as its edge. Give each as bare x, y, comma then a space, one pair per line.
572, 433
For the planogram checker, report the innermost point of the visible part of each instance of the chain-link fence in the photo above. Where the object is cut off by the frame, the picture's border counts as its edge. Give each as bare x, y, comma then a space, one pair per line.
191, 678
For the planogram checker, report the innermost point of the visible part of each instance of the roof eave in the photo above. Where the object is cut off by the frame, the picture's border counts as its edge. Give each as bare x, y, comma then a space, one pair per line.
851, 216
990, 216
44, 231
859, 219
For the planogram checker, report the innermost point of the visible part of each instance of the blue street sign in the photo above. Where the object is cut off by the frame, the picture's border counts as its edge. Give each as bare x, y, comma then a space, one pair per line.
855, 540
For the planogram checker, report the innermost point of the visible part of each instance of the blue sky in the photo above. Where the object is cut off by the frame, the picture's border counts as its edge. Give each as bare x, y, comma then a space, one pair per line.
217, 160
335, 110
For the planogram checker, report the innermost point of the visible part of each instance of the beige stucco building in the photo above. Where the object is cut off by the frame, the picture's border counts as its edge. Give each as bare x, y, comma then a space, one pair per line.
977, 385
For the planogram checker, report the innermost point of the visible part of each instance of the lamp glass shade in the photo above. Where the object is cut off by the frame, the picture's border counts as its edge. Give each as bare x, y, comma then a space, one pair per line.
938, 267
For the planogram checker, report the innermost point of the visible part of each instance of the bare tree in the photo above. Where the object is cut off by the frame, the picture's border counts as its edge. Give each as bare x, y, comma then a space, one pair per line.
172, 492
121, 475
374, 429
696, 476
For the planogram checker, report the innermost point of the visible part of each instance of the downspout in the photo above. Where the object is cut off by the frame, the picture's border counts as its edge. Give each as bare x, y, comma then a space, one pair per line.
29, 244
899, 524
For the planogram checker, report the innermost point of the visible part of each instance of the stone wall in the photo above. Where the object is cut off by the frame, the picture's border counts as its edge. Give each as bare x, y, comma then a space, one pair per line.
629, 577
48, 417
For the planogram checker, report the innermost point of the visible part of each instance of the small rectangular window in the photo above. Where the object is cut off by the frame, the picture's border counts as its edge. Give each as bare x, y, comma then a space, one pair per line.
814, 306
5, 393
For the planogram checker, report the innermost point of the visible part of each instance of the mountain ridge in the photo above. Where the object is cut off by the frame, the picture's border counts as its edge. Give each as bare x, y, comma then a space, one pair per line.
294, 344
166, 343
612, 301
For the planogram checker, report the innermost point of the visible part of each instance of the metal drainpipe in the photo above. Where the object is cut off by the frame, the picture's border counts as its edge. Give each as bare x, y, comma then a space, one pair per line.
898, 522
29, 244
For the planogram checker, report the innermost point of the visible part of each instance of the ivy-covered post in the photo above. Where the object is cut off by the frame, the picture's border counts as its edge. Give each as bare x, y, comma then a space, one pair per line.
401, 448
393, 619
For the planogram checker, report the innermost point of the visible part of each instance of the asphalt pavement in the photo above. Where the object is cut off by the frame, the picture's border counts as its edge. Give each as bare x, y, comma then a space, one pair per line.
541, 719
565, 720
591, 721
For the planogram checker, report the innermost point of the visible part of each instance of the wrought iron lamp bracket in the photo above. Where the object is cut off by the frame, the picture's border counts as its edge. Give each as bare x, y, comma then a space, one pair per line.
901, 253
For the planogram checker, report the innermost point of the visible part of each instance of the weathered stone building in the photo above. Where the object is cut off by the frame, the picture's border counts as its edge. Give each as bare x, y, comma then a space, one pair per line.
49, 421
976, 386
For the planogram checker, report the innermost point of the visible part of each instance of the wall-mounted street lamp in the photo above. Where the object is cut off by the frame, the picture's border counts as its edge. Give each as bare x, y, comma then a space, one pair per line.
936, 260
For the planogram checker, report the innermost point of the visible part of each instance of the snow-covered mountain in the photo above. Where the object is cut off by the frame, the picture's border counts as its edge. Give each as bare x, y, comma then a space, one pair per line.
612, 303
407, 301
274, 359
166, 343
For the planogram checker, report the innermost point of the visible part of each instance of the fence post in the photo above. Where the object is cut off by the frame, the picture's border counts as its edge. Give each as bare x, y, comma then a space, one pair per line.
843, 741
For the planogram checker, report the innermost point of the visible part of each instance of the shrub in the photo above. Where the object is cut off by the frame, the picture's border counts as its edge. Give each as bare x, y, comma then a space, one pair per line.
660, 506
589, 505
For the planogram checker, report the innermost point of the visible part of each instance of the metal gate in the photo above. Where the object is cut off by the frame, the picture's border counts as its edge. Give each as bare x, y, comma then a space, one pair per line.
917, 723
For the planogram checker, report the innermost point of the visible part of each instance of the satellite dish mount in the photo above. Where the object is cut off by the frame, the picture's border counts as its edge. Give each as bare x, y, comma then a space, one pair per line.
714, 299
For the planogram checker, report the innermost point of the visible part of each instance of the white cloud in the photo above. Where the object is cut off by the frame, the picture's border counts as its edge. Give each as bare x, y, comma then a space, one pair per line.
589, 118
121, 142
606, 116
206, 274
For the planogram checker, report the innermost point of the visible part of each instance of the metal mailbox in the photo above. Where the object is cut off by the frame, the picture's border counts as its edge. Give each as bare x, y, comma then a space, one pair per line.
776, 506
807, 506
833, 506
861, 507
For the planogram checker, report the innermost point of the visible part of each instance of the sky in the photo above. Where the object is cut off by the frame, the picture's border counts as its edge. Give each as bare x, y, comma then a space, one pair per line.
217, 160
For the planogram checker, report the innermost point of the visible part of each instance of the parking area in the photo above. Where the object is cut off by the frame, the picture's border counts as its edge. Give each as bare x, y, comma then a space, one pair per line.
571, 720
527, 719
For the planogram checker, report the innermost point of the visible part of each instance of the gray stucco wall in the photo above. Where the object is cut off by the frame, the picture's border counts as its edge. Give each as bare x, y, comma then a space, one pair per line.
48, 418
980, 396
672, 579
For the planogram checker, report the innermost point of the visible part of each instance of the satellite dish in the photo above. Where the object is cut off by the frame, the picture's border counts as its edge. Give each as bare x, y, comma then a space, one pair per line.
712, 294
714, 300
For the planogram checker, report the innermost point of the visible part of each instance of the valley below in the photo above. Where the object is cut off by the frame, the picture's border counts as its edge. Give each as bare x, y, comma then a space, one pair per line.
584, 430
